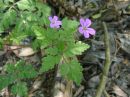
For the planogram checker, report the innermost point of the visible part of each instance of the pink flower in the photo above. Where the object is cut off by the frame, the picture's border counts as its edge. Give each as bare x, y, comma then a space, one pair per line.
85, 29
55, 23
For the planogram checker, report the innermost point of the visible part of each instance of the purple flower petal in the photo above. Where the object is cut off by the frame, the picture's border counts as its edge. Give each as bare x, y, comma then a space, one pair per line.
91, 31
50, 18
87, 22
82, 21
81, 30
55, 18
86, 35
59, 23
54, 22
57, 26
52, 25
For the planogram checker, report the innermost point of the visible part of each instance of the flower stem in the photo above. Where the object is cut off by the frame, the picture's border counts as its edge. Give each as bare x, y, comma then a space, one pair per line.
107, 64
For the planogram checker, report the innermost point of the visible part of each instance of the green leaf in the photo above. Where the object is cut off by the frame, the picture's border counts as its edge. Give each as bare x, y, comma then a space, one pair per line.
19, 89
10, 0
1, 4
1, 29
96, 16
36, 44
39, 32
16, 72
52, 34
1, 43
21, 70
76, 49
72, 71
8, 18
68, 34
10, 68
45, 20
6, 80
17, 37
51, 51
25, 4
49, 62
26, 71
44, 9
69, 24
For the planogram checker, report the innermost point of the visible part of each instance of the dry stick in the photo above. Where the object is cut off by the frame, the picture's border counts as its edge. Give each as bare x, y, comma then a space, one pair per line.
79, 91
106, 65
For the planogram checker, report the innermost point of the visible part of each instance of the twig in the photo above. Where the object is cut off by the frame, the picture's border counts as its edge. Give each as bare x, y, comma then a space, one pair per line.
106, 65
79, 91
106, 94
68, 89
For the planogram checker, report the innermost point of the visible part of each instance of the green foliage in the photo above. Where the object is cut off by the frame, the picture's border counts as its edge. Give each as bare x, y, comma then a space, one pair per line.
25, 4
20, 70
1, 41
7, 19
76, 49
23, 15
69, 24
15, 73
62, 43
49, 62
72, 70
6, 80
20, 89
29, 18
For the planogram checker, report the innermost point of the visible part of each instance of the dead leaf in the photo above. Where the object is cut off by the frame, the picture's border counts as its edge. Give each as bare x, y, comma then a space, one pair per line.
124, 42
27, 51
118, 91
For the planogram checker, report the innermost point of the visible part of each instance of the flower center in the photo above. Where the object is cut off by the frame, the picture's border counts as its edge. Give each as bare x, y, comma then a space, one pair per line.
84, 28
53, 22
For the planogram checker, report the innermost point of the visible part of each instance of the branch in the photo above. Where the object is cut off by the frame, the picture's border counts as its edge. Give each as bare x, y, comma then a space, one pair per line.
107, 64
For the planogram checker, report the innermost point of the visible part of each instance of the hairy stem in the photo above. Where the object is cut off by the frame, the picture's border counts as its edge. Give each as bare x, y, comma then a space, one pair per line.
106, 94
61, 90
104, 75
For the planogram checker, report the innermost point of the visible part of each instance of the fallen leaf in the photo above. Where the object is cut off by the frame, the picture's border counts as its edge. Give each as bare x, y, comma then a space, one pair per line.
118, 91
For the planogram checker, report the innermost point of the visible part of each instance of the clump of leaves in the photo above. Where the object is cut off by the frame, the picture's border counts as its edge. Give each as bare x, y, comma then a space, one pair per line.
28, 18
14, 74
